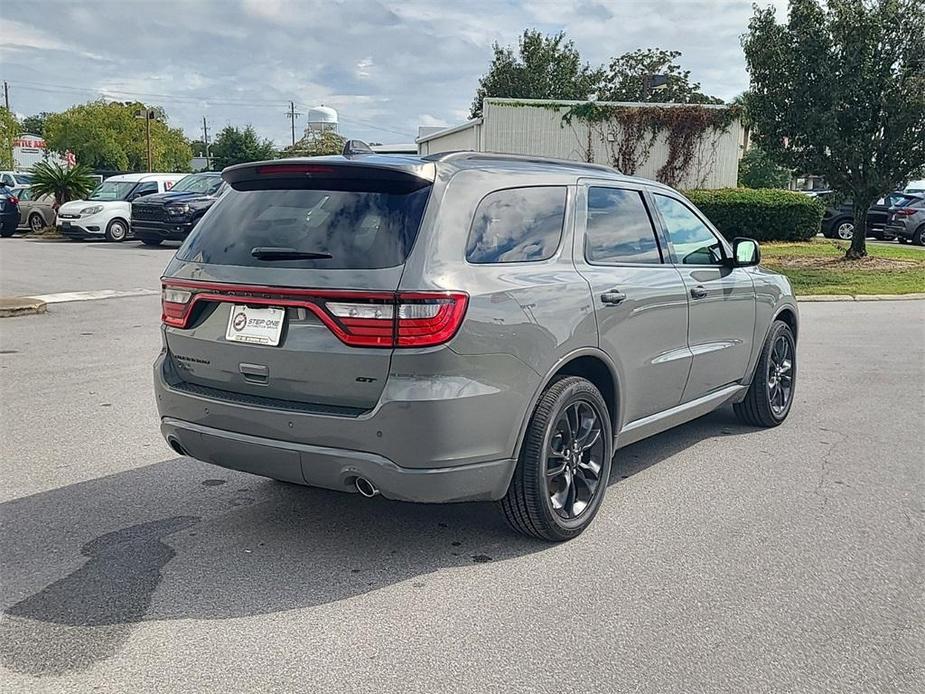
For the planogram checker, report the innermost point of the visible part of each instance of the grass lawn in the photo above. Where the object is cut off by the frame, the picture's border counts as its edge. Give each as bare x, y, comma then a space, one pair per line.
819, 267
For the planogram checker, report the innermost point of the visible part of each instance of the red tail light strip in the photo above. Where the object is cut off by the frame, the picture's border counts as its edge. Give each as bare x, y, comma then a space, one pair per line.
357, 332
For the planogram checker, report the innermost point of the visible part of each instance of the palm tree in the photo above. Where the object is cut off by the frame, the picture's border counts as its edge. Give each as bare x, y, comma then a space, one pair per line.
50, 178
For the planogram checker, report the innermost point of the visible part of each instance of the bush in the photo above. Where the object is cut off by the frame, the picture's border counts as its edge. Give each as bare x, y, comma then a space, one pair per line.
765, 214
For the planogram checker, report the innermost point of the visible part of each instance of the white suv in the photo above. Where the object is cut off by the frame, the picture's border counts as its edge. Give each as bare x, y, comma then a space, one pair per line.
108, 209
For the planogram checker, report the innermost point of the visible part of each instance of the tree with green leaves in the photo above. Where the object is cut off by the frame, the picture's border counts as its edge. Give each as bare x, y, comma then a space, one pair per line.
758, 170
35, 125
651, 75
327, 142
235, 146
9, 131
50, 178
542, 67
838, 90
108, 135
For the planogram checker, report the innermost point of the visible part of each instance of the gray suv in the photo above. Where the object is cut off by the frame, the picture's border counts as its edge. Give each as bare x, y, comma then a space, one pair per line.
460, 327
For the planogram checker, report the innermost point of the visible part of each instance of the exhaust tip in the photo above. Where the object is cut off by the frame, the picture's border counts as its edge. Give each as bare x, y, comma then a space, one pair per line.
365, 487
175, 445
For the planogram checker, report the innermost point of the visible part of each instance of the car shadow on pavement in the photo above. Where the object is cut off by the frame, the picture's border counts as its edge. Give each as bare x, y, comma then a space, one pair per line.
83, 564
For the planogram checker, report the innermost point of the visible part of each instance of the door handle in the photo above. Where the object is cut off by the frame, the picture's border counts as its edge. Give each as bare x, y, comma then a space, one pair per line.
699, 291
613, 297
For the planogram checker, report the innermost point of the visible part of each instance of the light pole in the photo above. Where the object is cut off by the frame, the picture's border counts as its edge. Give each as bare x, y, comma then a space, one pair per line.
148, 115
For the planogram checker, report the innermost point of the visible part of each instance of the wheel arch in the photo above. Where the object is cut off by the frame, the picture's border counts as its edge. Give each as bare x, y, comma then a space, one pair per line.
589, 363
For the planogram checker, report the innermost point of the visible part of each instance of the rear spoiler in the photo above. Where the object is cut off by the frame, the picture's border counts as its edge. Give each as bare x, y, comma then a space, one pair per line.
357, 166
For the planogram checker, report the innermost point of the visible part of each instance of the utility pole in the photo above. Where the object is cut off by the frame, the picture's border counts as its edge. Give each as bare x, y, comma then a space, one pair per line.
6, 95
292, 114
205, 139
149, 115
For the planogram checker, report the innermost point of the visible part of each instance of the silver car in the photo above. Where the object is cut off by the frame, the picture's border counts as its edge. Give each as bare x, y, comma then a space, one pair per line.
35, 211
462, 326
907, 223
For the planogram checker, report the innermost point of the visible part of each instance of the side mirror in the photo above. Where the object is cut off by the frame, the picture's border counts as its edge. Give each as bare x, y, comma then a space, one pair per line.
745, 252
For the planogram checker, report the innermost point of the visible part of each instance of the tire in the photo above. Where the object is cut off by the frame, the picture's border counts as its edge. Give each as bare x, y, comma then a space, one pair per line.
36, 222
918, 238
902, 239
843, 230
530, 505
758, 409
152, 242
117, 230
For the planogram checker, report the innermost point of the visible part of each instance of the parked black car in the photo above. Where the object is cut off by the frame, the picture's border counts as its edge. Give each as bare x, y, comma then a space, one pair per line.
838, 222
171, 216
9, 212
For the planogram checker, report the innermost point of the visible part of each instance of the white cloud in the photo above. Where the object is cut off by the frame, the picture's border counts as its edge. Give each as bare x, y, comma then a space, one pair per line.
385, 65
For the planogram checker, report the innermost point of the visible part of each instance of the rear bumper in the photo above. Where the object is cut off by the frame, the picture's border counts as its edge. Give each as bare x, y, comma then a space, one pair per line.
336, 468
427, 440
9, 219
899, 230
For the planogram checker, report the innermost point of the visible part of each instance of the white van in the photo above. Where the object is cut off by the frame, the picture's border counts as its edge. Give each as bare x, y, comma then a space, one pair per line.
108, 209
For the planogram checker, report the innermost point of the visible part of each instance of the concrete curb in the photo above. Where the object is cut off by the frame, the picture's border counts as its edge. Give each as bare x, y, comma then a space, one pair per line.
21, 306
861, 297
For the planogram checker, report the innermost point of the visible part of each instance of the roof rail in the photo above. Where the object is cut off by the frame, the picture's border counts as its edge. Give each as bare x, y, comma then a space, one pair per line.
528, 158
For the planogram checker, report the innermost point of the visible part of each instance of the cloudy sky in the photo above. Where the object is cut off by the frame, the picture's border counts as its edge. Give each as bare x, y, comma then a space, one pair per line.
387, 66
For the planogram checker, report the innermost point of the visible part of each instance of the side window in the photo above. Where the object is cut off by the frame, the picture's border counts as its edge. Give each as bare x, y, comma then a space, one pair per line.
7, 179
144, 189
693, 242
25, 195
517, 225
619, 229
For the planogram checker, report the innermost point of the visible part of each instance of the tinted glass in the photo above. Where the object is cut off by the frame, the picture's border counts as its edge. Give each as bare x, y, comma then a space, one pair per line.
619, 229
517, 225
23, 194
24, 179
693, 242
197, 183
360, 229
145, 189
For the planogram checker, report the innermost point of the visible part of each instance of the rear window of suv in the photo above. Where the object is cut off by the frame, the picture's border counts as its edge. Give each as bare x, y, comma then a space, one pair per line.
359, 229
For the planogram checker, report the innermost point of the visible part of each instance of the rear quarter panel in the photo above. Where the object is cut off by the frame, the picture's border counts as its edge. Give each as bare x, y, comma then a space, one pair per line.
523, 318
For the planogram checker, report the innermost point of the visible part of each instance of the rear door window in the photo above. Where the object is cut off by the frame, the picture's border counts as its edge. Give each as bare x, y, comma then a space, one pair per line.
517, 225
358, 228
619, 229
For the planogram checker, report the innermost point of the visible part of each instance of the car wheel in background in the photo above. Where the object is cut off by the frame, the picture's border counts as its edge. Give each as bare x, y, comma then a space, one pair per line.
117, 230
36, 223
919, 237
844, 230
770, 395
564, 464
152, 242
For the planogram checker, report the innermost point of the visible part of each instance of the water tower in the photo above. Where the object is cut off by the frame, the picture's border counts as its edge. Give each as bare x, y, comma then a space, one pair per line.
321, 119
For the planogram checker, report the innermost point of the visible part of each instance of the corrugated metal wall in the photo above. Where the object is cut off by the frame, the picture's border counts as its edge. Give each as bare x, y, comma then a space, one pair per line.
467, 138
522, 128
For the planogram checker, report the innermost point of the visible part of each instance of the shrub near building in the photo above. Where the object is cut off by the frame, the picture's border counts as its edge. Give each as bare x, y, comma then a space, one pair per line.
764, 214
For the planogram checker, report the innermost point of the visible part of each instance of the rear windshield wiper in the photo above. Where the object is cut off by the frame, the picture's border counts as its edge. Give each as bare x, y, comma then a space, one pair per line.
282, 253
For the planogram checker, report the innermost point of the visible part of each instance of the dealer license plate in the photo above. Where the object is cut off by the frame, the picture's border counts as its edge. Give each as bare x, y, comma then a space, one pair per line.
258, 326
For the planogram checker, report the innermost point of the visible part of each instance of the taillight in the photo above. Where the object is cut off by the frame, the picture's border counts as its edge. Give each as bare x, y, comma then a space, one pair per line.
294, 169
358, 319
905, 212
14, 200
175, 306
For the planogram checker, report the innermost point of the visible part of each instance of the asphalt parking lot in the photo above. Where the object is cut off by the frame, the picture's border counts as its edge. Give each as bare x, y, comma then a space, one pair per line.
723, 559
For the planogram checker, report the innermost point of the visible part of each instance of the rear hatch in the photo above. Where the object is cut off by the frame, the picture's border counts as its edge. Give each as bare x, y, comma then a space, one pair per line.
285, 294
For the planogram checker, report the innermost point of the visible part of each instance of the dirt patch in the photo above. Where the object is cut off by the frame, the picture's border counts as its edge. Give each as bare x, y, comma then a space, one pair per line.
867, 264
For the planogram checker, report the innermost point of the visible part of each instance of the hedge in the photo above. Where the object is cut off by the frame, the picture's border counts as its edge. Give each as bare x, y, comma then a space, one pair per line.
764, 214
